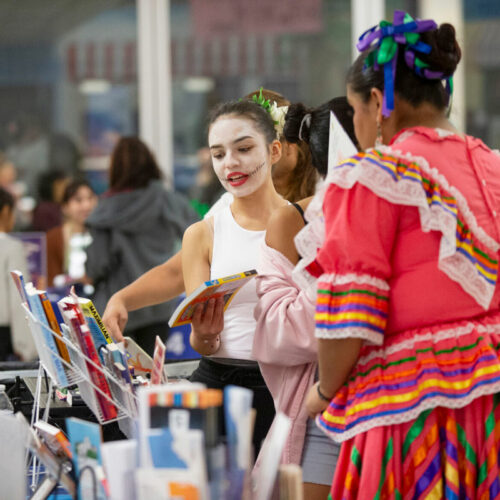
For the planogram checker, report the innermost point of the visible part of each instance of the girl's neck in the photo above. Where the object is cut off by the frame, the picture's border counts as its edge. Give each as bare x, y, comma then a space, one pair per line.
71, 228
281, 182
253, 211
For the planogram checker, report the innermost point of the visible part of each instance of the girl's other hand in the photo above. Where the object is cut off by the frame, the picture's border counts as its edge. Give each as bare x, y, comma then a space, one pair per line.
314, 403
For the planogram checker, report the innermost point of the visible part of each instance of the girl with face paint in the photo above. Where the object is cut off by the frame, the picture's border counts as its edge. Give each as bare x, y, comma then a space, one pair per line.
244, 146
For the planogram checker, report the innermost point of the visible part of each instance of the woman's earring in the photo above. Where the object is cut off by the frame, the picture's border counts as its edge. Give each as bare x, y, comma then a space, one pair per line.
378, 139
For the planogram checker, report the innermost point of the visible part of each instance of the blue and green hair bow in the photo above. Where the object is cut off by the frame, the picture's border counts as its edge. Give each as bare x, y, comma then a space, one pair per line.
385, 38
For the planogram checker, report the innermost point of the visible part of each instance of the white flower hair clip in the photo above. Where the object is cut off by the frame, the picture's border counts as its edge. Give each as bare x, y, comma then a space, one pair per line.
277, 113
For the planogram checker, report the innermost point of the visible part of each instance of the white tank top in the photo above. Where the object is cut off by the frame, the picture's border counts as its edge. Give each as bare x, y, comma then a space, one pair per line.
236, 250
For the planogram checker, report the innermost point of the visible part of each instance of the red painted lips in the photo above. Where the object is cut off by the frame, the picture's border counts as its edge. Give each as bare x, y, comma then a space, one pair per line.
237, 178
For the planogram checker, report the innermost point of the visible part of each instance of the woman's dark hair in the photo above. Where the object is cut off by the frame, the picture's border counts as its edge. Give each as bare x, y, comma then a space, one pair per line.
246, 109
46, 184
72, 188
133, 165
444, 57
304, 177
316, 132
6, 199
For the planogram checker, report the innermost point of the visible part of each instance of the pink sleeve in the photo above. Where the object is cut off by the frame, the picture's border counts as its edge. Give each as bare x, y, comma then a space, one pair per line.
354, 264
285, 315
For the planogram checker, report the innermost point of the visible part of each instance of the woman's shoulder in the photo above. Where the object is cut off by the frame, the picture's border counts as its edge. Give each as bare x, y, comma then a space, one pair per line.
283, 226
199, 232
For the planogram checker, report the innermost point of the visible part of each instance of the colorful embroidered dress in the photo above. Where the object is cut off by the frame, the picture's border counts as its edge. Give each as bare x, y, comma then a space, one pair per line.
409, 264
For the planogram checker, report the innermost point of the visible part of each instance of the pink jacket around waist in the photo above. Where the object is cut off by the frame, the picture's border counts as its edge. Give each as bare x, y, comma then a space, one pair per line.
284, 343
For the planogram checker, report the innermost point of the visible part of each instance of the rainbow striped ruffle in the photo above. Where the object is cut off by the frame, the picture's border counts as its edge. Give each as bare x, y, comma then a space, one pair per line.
352, 306
443, 454
447, 365
467, 254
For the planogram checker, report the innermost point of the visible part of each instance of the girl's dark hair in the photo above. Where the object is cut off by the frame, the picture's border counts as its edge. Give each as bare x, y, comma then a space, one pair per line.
72, 188
246, 109
133, 165
316, 134
444, 57
304, 176
46, 184
6, 199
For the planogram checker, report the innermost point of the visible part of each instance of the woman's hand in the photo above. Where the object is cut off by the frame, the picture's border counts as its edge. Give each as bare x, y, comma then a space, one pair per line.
207, 324
314, 403
115, 317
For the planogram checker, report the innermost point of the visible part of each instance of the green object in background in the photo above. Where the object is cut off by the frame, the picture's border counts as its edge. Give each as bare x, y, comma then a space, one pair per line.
200, 208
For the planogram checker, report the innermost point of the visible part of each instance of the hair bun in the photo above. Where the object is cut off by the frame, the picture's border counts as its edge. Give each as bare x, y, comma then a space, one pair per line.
447, 53
293, 121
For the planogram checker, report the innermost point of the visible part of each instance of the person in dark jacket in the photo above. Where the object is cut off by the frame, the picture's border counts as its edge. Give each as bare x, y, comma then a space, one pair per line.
138, 224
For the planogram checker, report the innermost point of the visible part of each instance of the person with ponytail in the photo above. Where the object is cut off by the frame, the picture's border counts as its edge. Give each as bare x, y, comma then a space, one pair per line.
407, 315
284, 342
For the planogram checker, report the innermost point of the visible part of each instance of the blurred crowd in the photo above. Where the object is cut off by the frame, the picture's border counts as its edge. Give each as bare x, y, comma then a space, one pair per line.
46, 194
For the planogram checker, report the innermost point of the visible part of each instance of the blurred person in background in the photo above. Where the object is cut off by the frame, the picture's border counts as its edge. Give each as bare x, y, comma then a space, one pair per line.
48, 213
294, 177
8, 175
66, 243
137, 225
15, 338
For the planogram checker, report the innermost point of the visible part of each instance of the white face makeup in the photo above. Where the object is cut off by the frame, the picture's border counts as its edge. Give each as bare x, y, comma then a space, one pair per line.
240, 155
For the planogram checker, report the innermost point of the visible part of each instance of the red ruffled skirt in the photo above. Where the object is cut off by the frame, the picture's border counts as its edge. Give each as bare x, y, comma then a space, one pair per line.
418, 415
444, 453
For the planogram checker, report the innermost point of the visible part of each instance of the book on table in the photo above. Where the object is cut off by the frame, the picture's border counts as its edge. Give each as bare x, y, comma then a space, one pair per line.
225, 287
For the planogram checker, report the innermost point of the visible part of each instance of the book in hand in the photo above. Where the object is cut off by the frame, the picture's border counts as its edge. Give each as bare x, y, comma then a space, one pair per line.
226, 287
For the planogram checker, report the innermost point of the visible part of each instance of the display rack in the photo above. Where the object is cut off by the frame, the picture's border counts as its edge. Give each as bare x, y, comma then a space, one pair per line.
77, 374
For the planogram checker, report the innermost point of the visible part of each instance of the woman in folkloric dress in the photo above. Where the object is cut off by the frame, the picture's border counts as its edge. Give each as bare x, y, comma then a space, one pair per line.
407, 316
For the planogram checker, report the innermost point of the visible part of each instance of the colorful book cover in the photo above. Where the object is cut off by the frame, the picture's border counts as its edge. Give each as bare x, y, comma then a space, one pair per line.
157, 375
76, 321
85, 438
18, 278
226, 288
137, 358
38, 311
179, 459
54, 438
237, 408
54, 325
52, 462
96, 326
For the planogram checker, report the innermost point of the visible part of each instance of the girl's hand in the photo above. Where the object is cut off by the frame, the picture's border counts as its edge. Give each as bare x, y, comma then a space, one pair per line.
314, 403
115, 318
207, 324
